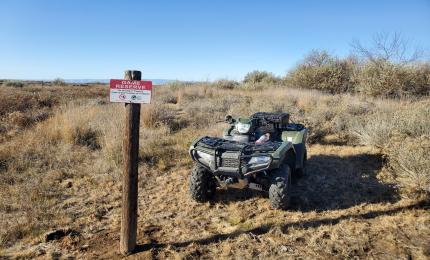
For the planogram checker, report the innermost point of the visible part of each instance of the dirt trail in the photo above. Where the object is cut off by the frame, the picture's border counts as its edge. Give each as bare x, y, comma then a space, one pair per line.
339, 208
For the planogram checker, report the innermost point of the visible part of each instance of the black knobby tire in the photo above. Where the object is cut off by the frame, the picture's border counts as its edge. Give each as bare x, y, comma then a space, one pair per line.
202, 184
280, 185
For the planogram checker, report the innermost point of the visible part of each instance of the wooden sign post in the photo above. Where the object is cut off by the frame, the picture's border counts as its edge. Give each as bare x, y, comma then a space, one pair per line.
133, 92
129, 179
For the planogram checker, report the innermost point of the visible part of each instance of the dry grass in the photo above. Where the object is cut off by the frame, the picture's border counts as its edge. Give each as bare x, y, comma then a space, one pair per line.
21, 108
64, 171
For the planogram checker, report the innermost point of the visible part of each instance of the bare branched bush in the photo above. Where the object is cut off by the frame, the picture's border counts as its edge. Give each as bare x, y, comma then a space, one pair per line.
388, 47
390, 67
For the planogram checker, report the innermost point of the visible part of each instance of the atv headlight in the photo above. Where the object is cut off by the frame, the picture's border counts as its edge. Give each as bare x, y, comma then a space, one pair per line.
243, 128
204, 157
259, 160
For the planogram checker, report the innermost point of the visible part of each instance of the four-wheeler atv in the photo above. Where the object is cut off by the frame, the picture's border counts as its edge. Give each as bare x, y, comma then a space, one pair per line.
263, 152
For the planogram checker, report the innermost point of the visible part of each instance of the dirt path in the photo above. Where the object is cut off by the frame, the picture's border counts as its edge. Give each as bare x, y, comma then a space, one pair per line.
338, 209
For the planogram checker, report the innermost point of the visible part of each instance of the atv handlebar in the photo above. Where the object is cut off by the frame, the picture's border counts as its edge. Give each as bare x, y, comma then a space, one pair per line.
228, 119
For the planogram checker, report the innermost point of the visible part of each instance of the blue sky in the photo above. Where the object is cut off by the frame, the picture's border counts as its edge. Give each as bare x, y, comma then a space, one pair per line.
189, 40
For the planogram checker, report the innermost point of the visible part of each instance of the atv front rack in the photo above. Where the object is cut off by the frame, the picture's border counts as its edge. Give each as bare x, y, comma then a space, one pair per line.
222, 150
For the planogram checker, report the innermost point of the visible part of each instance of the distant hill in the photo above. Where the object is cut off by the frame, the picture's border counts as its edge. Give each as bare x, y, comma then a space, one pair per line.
83, 81
86, 81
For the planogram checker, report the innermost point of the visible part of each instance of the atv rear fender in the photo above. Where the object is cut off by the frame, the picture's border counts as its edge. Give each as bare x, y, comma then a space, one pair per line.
294, 136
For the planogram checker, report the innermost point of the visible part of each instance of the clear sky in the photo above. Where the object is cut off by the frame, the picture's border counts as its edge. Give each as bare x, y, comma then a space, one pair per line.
189, 40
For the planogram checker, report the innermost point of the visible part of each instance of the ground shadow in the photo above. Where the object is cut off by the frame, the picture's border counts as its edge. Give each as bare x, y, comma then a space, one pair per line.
339, 182
232, 195
331, 182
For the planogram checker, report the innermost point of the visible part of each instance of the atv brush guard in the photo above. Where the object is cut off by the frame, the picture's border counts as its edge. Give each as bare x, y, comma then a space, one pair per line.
231, 158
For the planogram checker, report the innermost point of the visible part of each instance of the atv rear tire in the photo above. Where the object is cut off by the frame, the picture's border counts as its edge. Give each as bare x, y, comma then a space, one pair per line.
202, 184
280, 185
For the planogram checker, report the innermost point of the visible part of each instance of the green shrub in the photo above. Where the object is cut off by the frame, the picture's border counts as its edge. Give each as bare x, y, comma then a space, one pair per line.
225, 84
378, 78
59, 82
257, 77
86, 137
393, 80
419, 83
321, 71
176, 84
14, 83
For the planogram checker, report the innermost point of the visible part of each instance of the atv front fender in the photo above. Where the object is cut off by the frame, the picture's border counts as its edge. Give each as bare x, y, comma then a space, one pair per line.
280, 154
298, 138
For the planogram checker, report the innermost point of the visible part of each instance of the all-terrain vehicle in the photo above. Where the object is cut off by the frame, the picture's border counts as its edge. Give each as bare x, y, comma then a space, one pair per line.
264, 152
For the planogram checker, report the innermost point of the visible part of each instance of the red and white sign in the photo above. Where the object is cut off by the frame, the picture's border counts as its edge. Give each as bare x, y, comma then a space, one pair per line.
130, 91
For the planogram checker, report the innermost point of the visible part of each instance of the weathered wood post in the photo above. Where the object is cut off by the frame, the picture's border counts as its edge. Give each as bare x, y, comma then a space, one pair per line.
129, 181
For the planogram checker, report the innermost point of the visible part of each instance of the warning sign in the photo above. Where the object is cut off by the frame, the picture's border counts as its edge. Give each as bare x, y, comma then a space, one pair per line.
130, 91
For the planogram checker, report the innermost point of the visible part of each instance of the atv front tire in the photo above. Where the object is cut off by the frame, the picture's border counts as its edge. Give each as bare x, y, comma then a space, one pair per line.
202, 184
280, 185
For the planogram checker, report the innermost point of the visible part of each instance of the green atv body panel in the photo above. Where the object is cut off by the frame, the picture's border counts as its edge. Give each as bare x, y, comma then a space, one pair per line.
298, 138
